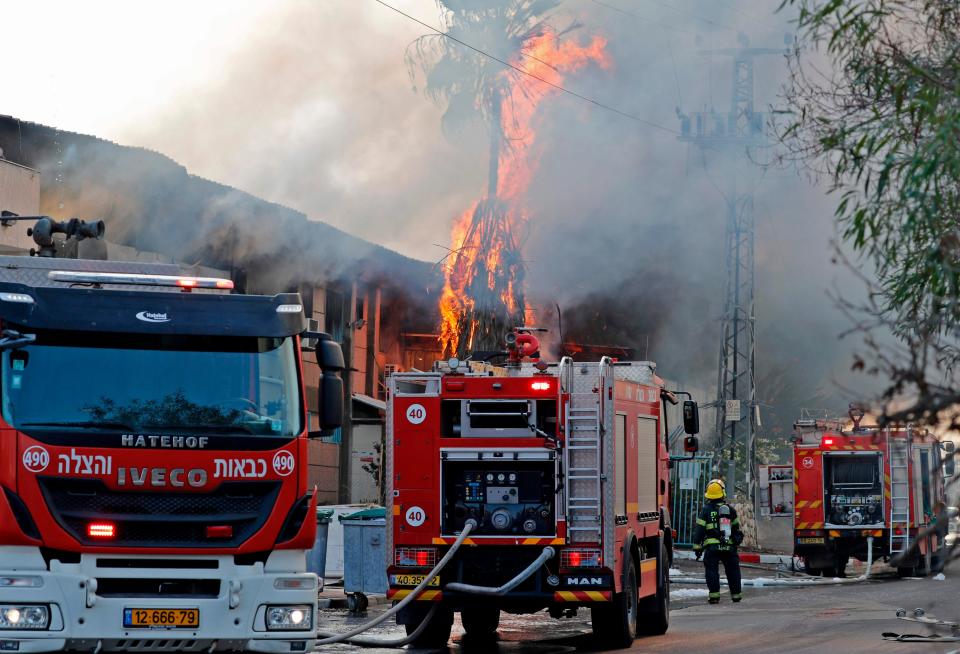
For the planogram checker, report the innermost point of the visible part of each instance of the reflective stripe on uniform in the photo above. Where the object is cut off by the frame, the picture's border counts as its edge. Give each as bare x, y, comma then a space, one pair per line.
711, 541
702, 523
714, 595
736, 595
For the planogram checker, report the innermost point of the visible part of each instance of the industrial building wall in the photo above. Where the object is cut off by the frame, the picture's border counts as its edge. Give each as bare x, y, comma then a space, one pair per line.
19, 193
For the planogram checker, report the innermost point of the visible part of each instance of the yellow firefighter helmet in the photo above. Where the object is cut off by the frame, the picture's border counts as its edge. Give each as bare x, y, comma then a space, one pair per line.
716, 490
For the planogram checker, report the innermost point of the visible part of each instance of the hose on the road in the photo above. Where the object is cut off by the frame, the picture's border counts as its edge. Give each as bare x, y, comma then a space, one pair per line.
788, 583
329, 639
545, 556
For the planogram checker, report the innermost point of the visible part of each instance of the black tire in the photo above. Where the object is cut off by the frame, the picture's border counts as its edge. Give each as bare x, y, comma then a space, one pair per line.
480, 622
357, 602
437, 632
655, 611
615, 624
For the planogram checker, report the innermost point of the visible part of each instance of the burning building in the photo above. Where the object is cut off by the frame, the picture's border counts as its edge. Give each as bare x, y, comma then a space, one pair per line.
369, 298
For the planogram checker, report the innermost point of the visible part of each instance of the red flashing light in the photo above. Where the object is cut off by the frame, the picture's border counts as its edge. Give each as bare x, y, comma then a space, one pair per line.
828, 440
423, 558
225, 283
101, 530
186, 282
574, 559
220, 531
540, 386
455, 386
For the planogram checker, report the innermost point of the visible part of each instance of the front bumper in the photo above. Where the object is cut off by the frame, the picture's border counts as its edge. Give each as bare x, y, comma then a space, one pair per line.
86, 617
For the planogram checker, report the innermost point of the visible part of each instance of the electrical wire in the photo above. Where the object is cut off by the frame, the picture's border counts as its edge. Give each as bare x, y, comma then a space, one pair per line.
627, 12
558, 87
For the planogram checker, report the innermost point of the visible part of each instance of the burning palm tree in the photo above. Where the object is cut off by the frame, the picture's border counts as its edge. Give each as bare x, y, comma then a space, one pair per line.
483, 295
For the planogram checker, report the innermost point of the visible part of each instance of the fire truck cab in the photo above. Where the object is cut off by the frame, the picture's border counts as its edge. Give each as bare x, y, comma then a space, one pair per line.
153, 484
567, 462
867, 487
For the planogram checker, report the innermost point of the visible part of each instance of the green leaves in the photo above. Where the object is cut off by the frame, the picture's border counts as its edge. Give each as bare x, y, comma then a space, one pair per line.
884, 124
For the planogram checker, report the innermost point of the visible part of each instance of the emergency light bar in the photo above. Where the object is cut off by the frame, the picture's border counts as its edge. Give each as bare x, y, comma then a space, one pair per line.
138, 279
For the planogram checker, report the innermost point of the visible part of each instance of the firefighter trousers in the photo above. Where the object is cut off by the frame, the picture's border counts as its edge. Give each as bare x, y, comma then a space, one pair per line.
712, 558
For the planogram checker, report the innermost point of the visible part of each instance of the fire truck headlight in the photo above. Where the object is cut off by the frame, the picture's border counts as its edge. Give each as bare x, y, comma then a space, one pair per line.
24, 616
289, 618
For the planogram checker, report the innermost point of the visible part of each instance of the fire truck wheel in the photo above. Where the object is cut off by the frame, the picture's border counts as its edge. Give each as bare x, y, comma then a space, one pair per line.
655, 611
615, 624
480, 621
437, 632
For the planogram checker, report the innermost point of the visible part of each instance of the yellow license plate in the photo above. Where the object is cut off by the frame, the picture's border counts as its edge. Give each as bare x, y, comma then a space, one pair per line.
412, 580
810, 541
161, 618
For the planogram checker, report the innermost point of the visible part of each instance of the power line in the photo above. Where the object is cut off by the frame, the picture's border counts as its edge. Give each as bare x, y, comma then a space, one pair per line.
756, 19
558, 87
627, 12
693, 15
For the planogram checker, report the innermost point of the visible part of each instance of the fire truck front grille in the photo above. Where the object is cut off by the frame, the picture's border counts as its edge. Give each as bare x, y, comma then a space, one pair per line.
160, 519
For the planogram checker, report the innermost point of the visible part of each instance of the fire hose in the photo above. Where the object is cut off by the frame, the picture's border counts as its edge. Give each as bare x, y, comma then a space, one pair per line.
545, 556
350, 636
329, 639
792, 583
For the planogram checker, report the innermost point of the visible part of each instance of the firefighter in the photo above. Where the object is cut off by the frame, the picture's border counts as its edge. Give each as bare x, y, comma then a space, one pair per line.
716, 538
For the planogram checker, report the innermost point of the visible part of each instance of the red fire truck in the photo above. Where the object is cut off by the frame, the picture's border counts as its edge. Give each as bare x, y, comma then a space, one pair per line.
565, 463
867, 487
153, 486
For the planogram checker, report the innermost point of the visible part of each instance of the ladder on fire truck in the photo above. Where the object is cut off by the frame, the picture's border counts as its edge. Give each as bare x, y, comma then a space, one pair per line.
583, 453
899, 466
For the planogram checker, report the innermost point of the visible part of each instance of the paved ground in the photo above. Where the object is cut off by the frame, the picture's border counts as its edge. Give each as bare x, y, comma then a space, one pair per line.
836, 619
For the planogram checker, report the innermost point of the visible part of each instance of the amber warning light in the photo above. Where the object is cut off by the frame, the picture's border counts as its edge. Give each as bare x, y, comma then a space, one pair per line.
101, 530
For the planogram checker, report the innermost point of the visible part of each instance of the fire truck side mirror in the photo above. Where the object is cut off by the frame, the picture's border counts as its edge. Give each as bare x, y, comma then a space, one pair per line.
949, 452
330, 393
691, 417
691, 445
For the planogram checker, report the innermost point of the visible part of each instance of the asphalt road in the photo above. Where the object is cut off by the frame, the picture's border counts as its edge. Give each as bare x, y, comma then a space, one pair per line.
835, 619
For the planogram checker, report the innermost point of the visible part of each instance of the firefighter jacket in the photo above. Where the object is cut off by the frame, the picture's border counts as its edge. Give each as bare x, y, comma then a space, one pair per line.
718, 527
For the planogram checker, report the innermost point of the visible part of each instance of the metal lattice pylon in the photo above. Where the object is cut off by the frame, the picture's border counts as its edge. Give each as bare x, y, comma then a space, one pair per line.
733, 134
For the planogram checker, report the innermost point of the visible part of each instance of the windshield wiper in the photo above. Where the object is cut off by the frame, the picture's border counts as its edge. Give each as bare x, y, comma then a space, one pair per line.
82, 424
204, 426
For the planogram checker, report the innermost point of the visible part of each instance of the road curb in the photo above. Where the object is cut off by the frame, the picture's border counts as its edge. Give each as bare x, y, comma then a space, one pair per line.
748, 557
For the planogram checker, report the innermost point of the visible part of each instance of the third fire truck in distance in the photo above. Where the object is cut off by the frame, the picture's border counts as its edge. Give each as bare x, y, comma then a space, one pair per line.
867, 487
560, 470
153, 478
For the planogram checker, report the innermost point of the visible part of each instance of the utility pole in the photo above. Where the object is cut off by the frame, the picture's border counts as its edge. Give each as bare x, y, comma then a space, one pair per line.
732, 135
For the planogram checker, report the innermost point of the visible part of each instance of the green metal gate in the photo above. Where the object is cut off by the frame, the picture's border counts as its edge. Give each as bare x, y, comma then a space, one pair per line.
689, 479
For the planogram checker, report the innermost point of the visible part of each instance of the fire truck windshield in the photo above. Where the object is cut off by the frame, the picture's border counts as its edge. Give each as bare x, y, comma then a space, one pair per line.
153, 384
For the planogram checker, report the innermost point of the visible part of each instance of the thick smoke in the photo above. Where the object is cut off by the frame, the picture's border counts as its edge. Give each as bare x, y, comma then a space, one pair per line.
317, 112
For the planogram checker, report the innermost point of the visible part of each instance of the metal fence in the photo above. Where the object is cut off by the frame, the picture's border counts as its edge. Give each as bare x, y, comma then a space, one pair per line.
689, 482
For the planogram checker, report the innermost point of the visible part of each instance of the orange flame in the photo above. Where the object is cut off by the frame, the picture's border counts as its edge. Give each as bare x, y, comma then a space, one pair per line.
491, 227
